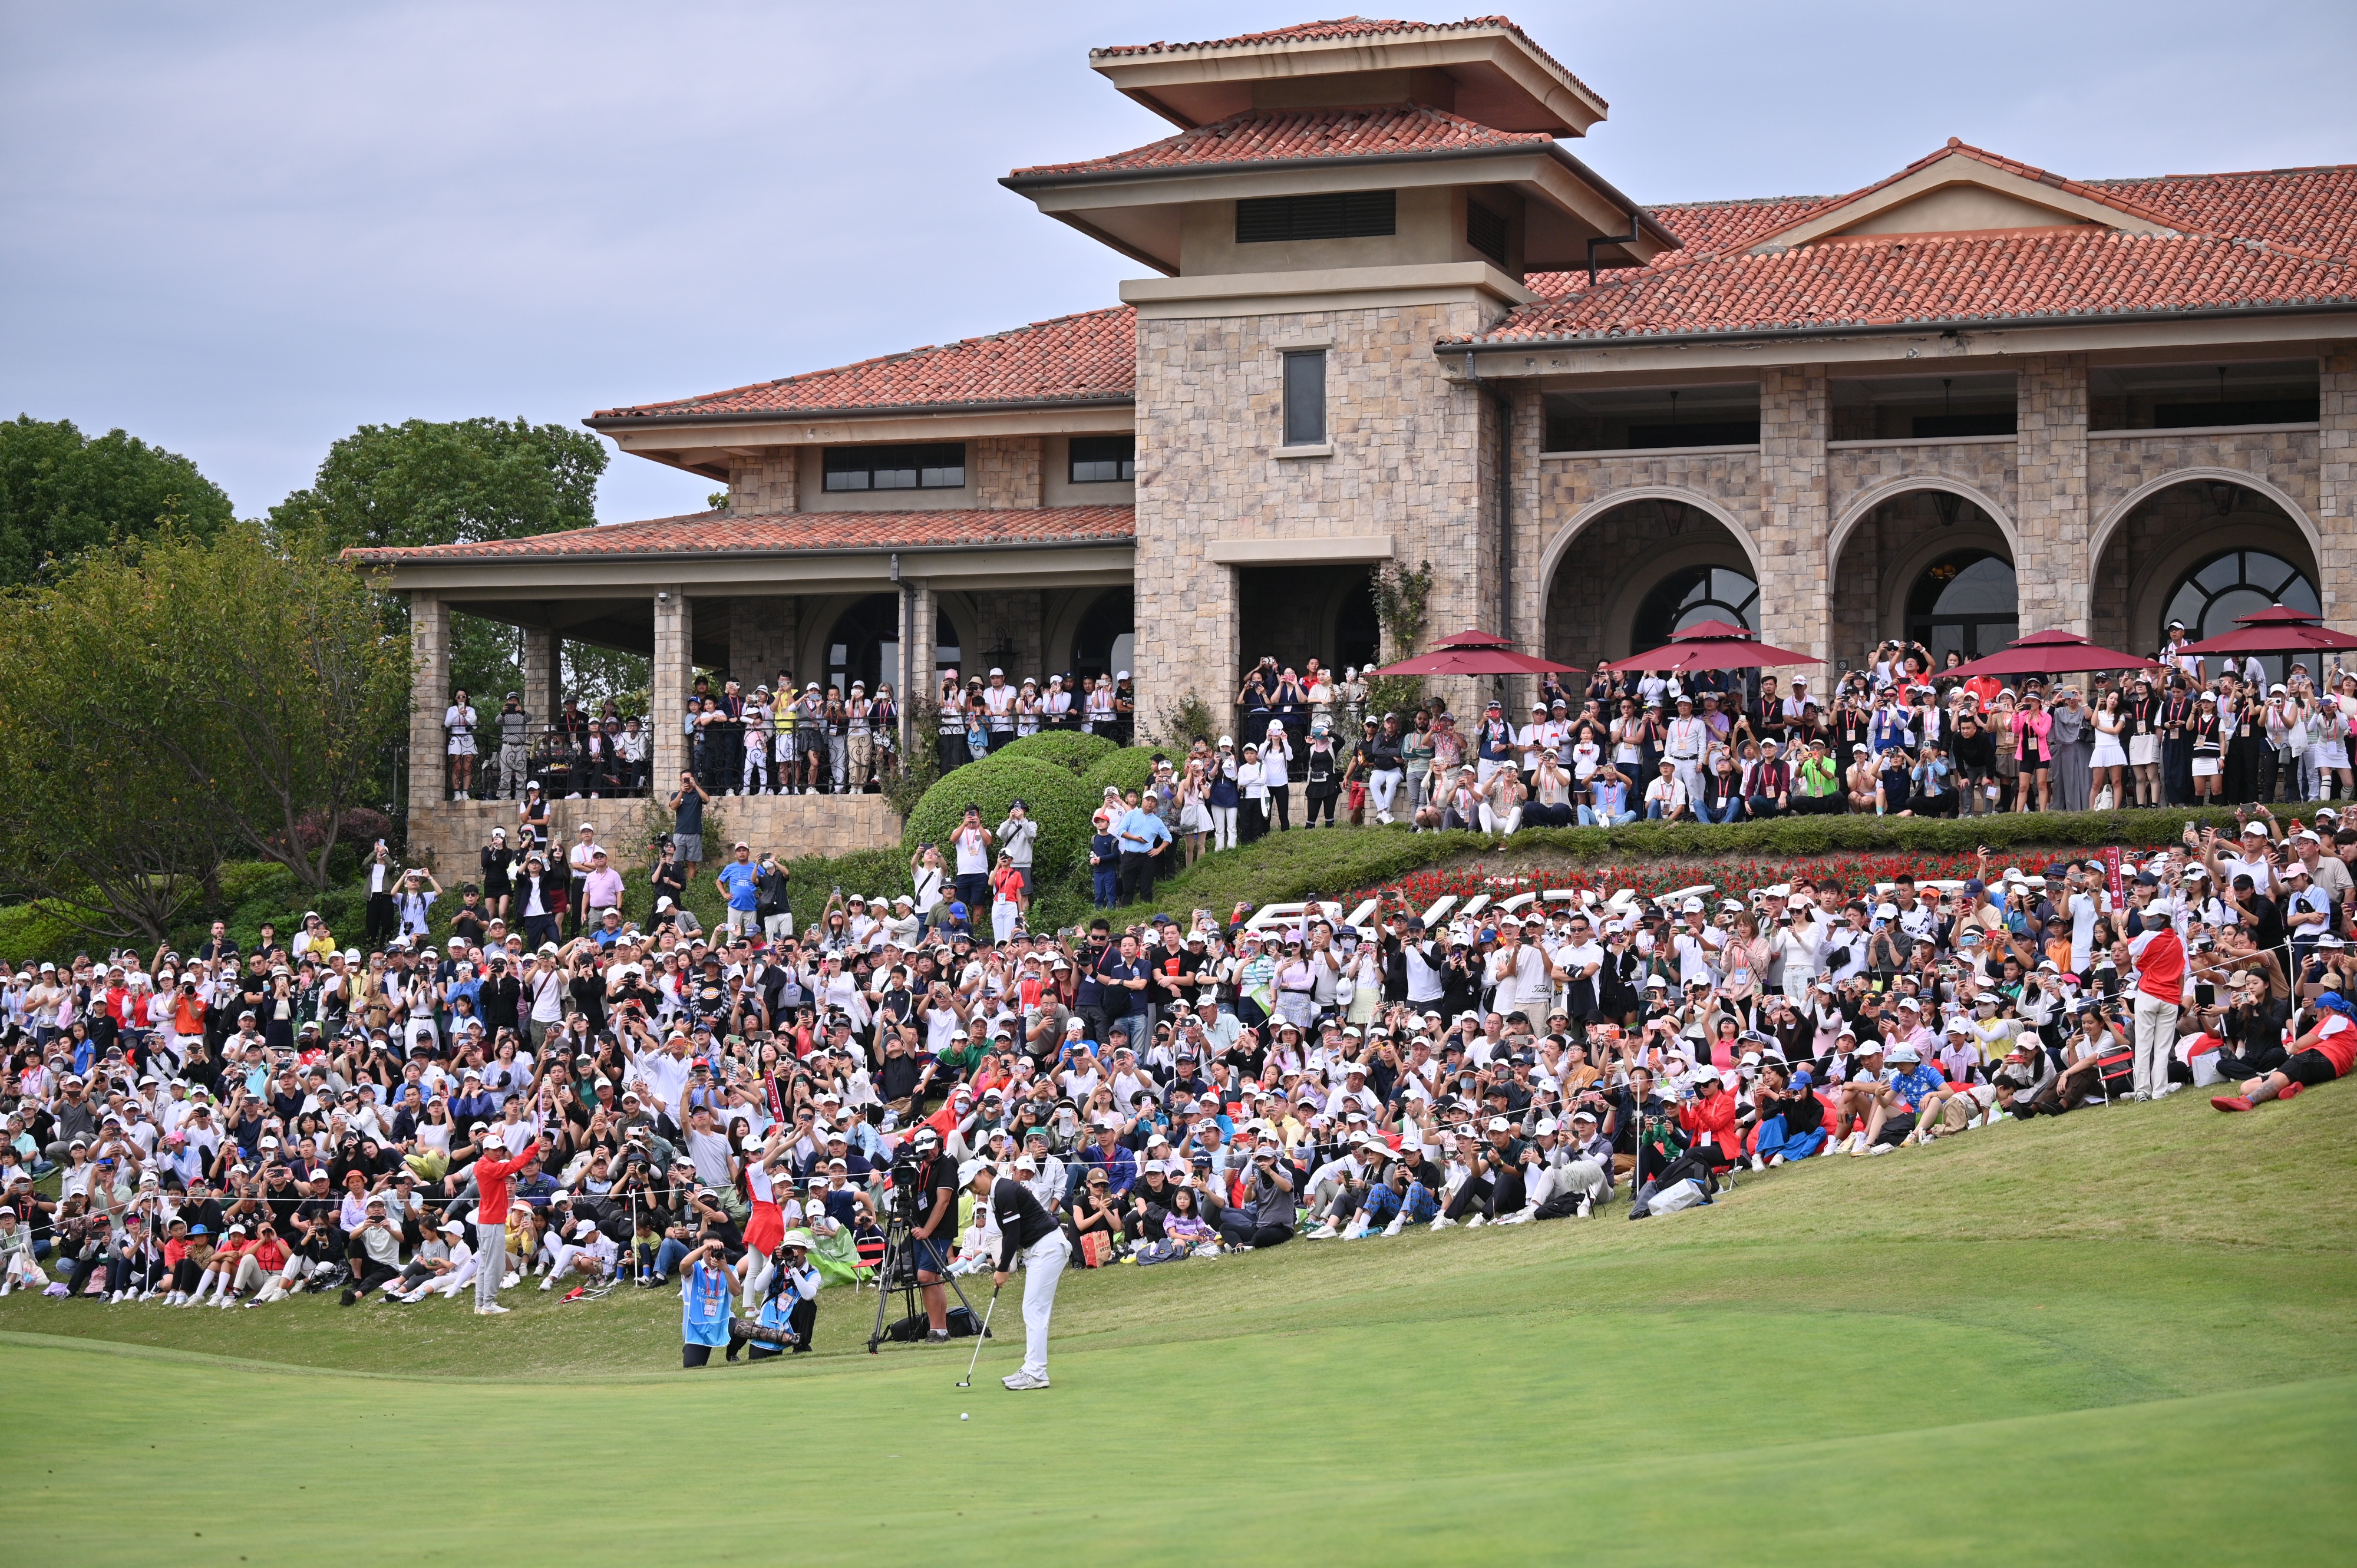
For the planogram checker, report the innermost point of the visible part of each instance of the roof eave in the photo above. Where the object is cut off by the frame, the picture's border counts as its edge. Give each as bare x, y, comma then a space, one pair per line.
624, 421
2337, 306
377, 560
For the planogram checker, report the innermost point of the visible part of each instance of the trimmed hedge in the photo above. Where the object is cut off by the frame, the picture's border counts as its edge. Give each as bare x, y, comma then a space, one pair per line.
1132, 768
1285, 867
1066, 748
873, 873
1056, 800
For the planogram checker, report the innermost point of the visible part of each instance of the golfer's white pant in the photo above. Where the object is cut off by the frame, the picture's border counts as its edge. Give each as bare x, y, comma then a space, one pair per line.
1223, 826
491, 1242
1383, 785
1043, 1265
2155, 1039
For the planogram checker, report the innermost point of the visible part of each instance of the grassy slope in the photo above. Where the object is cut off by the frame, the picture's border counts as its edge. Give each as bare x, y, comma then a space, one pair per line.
2112, 1336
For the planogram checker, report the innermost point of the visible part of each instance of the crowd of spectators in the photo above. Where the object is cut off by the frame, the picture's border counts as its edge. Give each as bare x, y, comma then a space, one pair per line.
225, 1124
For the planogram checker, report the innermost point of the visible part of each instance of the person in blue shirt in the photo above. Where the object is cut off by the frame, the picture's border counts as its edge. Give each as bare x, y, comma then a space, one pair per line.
1104, 867
739, 882
1142, 836
707, 1297
790, 1303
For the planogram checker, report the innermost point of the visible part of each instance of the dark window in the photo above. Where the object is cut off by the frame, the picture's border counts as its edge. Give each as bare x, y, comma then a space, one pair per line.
936, 466
1336, 215
1305, 397
1693, 596
1104, 459
1925, 425
2190, 396
1965, 603
1485, 231
1699, 433
1624, 419
2247, 411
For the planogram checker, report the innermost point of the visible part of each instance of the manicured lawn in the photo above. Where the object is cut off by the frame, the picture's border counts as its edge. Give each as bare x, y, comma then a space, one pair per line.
2120, 1336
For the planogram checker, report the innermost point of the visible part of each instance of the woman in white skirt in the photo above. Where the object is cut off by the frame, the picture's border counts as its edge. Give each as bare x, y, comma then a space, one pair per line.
2108, 765
2208, 748
2145, 708
2328, 746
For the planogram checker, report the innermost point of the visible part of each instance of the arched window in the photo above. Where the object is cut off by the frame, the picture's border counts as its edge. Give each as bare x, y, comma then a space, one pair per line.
864, 645
1106, 638
2237, 583
1692, 596
1965, 603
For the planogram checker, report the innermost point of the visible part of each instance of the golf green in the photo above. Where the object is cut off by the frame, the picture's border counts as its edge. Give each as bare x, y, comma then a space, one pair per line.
2121, 1335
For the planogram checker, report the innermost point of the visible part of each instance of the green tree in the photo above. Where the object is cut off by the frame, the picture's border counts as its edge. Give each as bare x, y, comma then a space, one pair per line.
62, 493
463, 482
176, 699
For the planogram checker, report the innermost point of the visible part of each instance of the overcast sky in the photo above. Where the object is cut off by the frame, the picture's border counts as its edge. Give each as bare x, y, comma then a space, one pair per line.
241, 230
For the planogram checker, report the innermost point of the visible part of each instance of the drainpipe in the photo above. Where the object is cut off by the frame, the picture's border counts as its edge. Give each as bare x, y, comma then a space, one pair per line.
1628, 239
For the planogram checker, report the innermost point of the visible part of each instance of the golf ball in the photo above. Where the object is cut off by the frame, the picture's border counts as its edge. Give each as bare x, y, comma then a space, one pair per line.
961, 1415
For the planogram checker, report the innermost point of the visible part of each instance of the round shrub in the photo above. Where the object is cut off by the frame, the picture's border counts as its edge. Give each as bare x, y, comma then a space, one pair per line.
1054, 797
1131, 767
1066, 748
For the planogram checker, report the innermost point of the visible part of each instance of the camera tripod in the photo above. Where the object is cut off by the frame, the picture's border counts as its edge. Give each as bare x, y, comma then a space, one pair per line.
898, 1272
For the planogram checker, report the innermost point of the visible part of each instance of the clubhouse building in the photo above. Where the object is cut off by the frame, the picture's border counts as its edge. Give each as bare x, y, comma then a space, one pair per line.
1386, 314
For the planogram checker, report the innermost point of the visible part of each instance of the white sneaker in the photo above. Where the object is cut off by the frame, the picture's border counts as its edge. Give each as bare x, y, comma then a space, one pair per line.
1775, 1160
2166, 1092
1019, 1382
511, 1280
2141, 1097
1757, 1163
1323, 1233
1880, 1149
1586, 1206
228, 1301
494, 1310
1477, 1221
1519, 1217
117, 1299
1393, 1228
1444, 1223
548, 1282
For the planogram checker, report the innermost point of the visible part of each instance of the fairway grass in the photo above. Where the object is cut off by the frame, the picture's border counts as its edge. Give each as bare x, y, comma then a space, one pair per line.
2124, 1335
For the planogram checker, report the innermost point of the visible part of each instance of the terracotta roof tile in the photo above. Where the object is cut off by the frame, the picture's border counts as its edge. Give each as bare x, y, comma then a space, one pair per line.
1930, 278
1337, 29
720, 532
1284, 136
1092, 356
2311, 209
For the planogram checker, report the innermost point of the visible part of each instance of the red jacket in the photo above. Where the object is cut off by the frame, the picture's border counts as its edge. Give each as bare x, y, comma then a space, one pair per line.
1709, 1118
491, 1186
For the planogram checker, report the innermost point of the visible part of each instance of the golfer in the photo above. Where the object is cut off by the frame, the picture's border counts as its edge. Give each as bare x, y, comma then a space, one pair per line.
1031, 1232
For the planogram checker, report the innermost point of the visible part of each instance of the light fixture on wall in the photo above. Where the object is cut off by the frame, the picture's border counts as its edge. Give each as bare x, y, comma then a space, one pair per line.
1000, 653
1949, 505
2224, 494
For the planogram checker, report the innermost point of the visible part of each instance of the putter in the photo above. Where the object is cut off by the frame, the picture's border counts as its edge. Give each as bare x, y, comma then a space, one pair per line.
967, 1381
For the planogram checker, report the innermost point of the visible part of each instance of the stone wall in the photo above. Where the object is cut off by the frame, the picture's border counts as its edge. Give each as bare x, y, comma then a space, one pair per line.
1795, 409
1885, 554
2050, 445
1986, 467
2336, 489
1004, 471
429, 695
765, 485
761, 638
448, 835
1406, 462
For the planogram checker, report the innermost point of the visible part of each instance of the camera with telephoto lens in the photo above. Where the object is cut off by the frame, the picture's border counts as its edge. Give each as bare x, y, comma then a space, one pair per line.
904, 1197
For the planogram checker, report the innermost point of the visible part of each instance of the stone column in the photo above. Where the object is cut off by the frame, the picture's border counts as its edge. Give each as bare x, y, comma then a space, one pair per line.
763, 485
1794, 514
2336, 489
1005, 471
760, 639
544, 676
429, 695
2056, 578
917, 618
674, 672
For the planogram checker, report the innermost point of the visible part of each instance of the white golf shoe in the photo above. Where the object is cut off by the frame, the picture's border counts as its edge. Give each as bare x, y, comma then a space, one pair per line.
1020, 1382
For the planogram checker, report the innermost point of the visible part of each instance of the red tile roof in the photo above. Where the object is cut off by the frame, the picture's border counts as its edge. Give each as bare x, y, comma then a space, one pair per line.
1092, 357
723, 533
2268, 237
1286, 135
1339, 28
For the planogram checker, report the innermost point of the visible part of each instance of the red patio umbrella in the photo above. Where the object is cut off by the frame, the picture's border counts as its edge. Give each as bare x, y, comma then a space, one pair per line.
1715, 645
1471, 637
2048, 654
1497, 659
2277, 631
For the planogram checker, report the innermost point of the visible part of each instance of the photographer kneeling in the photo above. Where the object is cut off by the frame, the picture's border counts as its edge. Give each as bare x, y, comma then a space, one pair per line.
789, 1306
1265, 1216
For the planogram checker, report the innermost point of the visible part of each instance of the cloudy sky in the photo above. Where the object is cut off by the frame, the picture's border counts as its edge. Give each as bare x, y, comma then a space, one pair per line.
243, 228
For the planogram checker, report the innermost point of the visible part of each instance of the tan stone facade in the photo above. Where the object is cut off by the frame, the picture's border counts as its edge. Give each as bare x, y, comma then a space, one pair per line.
450, 837
1405, 455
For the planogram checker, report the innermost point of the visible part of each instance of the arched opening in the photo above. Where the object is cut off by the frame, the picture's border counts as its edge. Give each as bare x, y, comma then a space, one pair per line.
1692, 596
2203, 552
1927, 566
947, 654
1638, 571
1965, 603
2235, 583
864, 645
1106, 641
